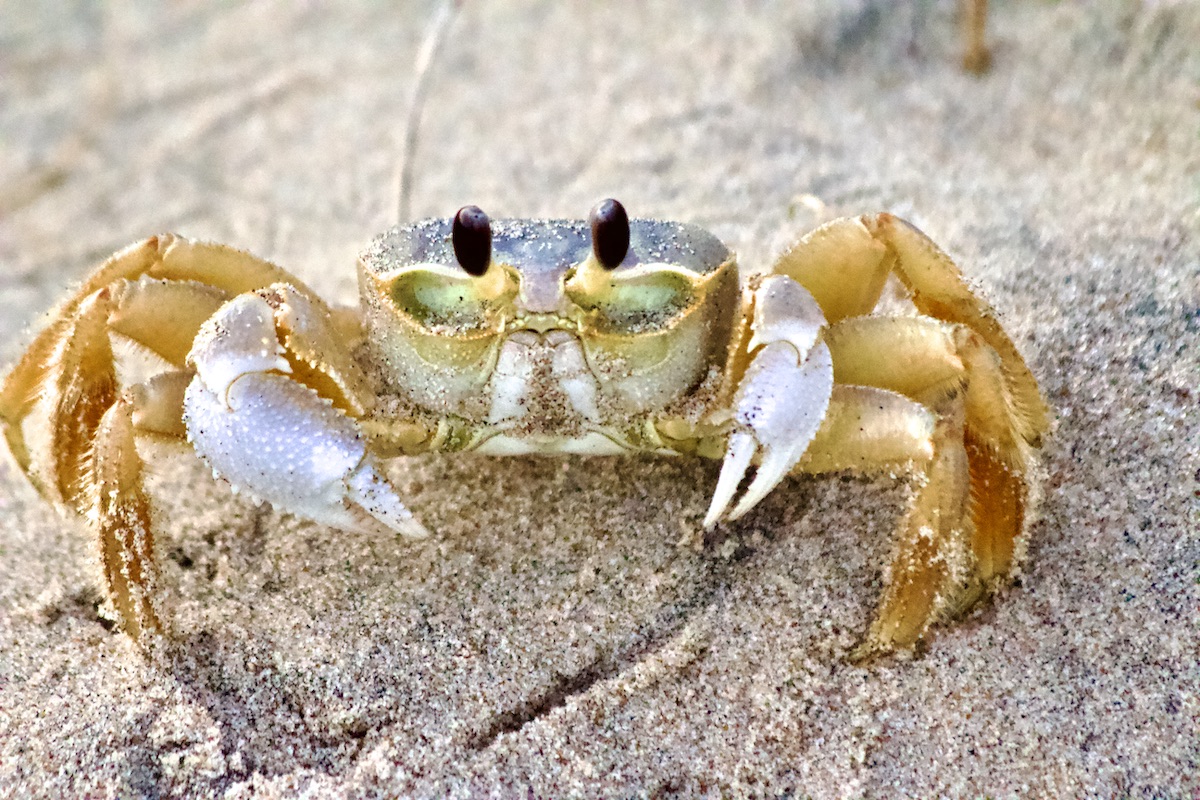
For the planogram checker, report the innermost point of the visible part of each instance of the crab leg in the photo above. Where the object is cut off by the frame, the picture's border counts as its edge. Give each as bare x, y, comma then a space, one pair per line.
121, 518
939, 290
781, 399
869, 429
863, 251
845, 264
277, 421
80, 382
42, 369
951, 368
120, 510
94, 468
970, 518
66, 394
157, 293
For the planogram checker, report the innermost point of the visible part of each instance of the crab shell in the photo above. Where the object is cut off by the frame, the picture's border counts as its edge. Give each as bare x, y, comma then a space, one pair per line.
549, 350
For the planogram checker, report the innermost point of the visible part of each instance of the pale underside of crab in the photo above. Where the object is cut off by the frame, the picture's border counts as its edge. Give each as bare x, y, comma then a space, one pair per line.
514, 337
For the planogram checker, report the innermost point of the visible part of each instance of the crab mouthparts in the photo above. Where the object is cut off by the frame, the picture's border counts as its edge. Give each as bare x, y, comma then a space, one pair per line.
543, 379
543, 323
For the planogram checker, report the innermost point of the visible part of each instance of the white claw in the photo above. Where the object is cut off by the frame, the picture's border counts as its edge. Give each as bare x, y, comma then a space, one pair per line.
782, 399
375, 495
784, 311
788, 422
738, 454
239, 340
278, 439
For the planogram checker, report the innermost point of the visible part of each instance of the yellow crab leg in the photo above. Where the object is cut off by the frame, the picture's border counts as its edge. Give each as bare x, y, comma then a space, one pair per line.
939, 290
868, 430
843, 266
65, 393
951, 367
162, 315
121, 519
78, 387
969, 521
47, 364
915, 356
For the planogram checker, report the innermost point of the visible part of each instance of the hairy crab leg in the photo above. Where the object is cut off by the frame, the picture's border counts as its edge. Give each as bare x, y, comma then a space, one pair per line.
89, 423
960, 365
121, 518
939, 290
66, 394
49, 361
868, 430
950, 367
30, 378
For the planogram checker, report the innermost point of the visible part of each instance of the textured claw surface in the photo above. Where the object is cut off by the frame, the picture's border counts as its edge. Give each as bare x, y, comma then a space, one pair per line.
371, 491
278, 441
782, 398
785, 418
784, 311
779, 407
276, 438
239, 341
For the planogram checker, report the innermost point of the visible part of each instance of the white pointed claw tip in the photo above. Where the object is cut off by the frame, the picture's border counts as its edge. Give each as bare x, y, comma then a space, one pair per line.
373, 493
778, 409
738, 454
413, 529
773, 467
280, 441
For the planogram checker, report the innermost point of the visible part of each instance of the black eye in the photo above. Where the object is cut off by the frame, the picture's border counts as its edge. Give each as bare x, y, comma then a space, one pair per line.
472, 239
610, 232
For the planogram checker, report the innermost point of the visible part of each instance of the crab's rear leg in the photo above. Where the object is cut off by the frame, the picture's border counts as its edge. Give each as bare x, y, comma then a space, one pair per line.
86, 423
868, 430
958, 363
901, 404
120, 511
66, 396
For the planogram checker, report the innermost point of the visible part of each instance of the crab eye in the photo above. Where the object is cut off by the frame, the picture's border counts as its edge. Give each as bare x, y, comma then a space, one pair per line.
610, 232
471, 236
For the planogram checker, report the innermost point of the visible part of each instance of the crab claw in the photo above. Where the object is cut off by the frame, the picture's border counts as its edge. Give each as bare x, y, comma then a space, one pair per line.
782, 398
276, 438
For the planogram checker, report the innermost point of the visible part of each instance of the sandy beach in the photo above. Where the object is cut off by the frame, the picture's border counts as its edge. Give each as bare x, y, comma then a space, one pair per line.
553, 638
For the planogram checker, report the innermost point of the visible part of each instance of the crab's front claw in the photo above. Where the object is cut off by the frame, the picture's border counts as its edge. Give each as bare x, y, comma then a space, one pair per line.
259, 427
782, 398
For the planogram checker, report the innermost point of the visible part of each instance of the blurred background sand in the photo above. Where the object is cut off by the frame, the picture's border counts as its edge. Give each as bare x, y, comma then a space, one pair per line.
552, 638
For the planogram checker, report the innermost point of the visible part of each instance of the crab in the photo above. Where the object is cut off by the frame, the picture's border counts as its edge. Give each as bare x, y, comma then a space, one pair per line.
530, 336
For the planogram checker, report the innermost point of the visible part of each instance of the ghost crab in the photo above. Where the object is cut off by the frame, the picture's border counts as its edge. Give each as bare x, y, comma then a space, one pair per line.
543, 336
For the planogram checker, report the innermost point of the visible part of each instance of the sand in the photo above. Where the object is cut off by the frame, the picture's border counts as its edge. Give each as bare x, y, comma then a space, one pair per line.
552, 639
